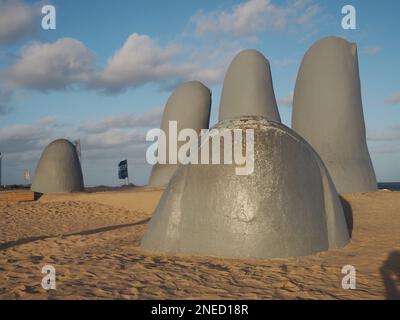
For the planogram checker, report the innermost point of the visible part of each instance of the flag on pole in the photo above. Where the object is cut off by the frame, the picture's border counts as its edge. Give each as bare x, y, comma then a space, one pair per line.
27, 176
123, 169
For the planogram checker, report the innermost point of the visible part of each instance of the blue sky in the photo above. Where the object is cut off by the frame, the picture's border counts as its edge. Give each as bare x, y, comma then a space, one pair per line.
107, 70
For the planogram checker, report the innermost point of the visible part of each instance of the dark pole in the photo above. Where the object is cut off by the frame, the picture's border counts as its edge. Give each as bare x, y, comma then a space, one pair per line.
0, 169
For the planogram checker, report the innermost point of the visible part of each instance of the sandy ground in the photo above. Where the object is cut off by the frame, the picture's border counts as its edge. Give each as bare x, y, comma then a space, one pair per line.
92, 239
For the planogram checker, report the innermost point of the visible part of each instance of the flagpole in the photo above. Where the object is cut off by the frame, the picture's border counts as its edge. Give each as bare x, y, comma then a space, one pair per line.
127, 176
0, 169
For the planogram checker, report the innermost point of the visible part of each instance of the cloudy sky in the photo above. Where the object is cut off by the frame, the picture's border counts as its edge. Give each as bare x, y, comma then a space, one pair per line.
105, 73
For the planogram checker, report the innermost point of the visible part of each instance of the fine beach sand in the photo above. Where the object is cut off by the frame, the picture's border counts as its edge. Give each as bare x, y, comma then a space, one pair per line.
92, 239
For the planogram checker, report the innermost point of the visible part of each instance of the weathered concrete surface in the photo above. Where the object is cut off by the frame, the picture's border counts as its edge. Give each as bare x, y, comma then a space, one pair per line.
58, 169
190, 106
287, 207
248, 89
327, 112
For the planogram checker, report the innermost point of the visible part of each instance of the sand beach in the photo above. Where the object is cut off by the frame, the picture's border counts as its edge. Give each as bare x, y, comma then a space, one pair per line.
93, 241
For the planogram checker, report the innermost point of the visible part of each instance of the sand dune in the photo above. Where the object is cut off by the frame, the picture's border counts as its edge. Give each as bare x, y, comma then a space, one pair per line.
92, 239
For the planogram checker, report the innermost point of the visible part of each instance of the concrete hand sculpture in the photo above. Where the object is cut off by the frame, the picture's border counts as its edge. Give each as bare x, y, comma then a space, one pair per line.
189, 105
59, 169
248, 89
286, 206
327, 112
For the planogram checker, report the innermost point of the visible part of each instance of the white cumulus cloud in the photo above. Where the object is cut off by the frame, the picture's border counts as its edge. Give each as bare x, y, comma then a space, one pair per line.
51, 66
254, 16
140, 60
17, 20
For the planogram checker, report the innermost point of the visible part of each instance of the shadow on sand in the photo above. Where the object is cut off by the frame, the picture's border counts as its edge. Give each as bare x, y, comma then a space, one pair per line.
390, 272
348, 214
11, 244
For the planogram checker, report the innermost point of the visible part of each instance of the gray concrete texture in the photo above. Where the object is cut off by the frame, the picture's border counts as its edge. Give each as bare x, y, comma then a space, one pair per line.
327, 112
287, 207
59, 169
248, 88
190, 106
